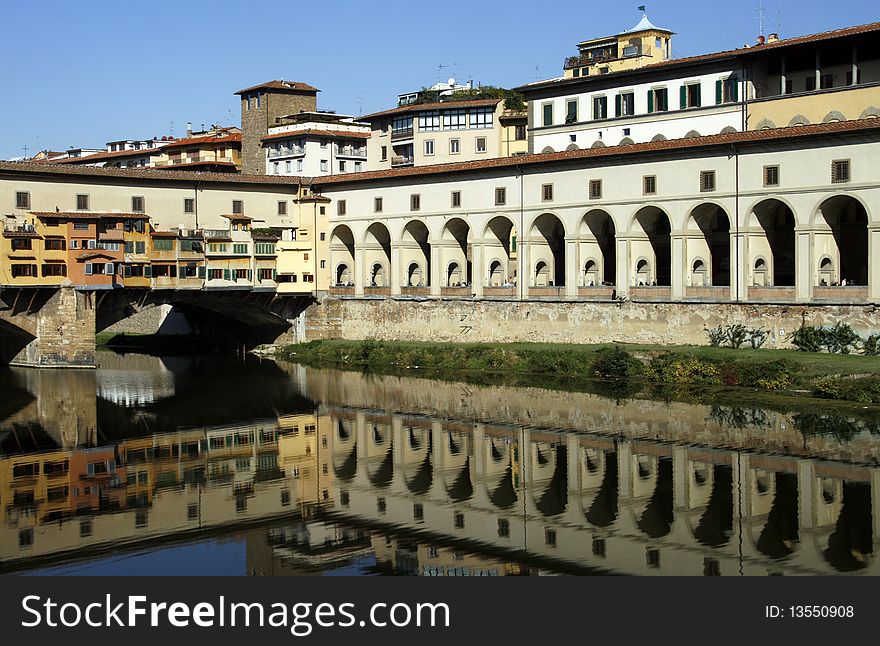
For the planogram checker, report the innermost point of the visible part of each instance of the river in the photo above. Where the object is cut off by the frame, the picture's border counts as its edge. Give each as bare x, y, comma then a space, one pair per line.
233, 465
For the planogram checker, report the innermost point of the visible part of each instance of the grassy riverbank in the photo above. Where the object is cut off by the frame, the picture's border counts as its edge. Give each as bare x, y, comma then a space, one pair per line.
846, 378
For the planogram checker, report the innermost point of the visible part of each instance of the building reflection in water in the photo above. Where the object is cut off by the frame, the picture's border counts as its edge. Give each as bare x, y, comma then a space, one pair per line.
320, 486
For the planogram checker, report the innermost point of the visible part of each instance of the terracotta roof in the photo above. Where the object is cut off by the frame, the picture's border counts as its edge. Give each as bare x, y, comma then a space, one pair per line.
754, 50
88, 255
87, 215
290, 86
20, 234
199, 164
209, 139
671, 145
163, 234
109, 155
146, 174
332, 134
418, 107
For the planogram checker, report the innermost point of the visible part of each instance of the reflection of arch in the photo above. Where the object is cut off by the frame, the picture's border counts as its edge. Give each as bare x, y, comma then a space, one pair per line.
716, 523
603, 510
548, 233
656, 520
765, 124
554, 498
833, 117
779, 535
850, 545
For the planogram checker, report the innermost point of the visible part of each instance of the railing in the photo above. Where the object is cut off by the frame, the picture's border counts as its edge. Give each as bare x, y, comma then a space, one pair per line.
286, 151
21, 228
406, 133
215, 233
350, 151
402, 161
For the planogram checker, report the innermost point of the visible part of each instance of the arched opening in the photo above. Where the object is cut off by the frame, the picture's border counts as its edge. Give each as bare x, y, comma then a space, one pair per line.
456, 250
377, 253
414, 275
597, 240
416, 250
591, 274
760, 275
826, 272
775, 243
453, 275
652, 241
713, 223
499, 245
643, 273
846, 244
547, 150
542, 274
342, 255
692, 134
547, 243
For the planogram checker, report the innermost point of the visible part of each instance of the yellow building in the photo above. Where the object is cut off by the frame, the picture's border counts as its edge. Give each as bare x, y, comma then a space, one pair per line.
32, 254
303, 250
642, 45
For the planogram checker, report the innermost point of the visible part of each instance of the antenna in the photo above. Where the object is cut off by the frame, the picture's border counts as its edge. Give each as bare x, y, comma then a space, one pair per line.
360, 102
762, 14
779, 18
171, 128
25, 149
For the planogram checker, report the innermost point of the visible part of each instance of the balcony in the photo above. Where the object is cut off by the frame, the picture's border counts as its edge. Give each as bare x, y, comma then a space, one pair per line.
398, 135
351, 151
216, 233
402, 161
287, 151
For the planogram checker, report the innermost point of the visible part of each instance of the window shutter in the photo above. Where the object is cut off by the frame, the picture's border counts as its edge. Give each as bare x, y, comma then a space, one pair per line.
225, 274
275, 275
202, 272
650, 101
719, 92
734, 90
126, 271
148, 271
250, 275
617, 105
684, 97
699, 100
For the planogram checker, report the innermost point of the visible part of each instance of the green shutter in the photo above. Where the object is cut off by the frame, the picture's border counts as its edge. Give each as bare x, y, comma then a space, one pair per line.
225, 274
684, 97
275, 275
699, 100
201, 273
618, 101
734, 91
719, 92
650, 101
250, 275
148, 271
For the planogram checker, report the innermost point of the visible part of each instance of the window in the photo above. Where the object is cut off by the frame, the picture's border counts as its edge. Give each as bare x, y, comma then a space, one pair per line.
625, 104
649, 185
707, 181
429, 147
454, 146
771, 175
415, 202
299, 165
826, 81
276, 168
240, 248
652, 557
459, 520
323, 143
727, 90
456, 199
282, 208
163, 244
599, 547
503, 528
340, 207
840, 171
658, 100
454, 120
323, 264
237, 207
600, 107
547, 110
287, 166
82, 202
21, 244
550, 537
263, 248
22, 200
481, 144
189, 205
323, 165
380, 505
691, 96
54, 244
571, 111
482, 118
377, 205
429, 121
500, 196
384, 153
402, 125
55, 269
418, 511
357, 167
595, 189
341, 165
547, 192
519, 133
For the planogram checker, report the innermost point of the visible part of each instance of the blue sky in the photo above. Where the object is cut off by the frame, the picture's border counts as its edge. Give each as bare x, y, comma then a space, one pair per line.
86, 72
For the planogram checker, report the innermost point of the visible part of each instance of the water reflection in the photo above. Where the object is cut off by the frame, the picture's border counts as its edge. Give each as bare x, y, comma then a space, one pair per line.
304, 471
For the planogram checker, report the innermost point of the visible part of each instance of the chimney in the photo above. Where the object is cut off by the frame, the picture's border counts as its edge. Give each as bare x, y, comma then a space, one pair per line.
189, 129
761, 39
773, 38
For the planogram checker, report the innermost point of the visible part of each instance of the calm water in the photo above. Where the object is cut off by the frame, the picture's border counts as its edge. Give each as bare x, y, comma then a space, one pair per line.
225, 465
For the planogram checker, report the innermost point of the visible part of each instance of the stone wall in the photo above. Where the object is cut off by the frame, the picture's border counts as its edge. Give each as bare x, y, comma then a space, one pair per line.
162, 319
65, 332
255, 124
557, 322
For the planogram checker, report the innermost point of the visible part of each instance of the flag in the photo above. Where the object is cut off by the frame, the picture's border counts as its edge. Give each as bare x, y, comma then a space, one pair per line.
642, 8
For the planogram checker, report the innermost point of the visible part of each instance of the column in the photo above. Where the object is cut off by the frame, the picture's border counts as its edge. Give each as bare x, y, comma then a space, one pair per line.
680, 478
394, 272
435, 272
571, 268
873, 263
784, 77
806, 477
478, 271
621, 273
818, 70
855, 65
803, 262
677, 253
525, 272
359, 269
739, 267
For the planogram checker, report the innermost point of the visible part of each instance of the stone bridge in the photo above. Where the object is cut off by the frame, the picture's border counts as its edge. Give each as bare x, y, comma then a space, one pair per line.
56, 327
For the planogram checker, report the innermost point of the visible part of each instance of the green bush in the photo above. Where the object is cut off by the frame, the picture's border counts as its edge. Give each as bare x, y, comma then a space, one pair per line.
676, 369
615, 363
838, 339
